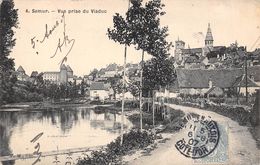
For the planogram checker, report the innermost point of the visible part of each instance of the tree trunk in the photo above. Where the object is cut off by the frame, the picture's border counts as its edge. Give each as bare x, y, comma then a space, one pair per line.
141, 92
153, 108
148, 102
123, 99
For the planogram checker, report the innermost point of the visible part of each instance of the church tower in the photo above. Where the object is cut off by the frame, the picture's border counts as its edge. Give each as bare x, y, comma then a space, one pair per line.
209, 38
179, 45
63, 74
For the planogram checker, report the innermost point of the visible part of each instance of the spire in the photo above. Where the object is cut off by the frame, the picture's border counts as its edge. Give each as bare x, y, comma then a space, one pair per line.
209, 36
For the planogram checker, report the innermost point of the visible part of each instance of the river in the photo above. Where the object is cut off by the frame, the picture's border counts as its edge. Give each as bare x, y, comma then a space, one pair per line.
27, 131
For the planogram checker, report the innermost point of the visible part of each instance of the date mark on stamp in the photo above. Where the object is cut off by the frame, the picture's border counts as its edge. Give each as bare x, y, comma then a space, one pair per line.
200, 136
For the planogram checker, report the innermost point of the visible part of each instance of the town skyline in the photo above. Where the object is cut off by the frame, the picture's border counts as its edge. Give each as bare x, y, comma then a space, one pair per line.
92, 44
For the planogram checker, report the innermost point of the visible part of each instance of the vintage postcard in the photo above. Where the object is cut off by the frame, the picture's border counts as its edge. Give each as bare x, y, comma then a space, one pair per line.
133, 82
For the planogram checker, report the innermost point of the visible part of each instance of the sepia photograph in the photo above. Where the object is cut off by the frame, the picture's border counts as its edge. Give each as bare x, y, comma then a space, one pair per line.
130, 82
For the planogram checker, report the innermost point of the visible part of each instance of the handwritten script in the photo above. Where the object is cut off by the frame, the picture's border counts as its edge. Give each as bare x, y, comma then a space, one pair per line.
37, 148
63, 42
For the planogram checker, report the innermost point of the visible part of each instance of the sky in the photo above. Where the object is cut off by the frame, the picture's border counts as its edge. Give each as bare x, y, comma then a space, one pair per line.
89, 46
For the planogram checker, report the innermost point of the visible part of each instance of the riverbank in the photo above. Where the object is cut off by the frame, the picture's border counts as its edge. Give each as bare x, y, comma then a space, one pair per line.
136, 143
49, 105
116, 105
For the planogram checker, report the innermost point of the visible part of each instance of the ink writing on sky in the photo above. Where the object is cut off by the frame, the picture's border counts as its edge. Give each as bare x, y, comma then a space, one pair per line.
64, 43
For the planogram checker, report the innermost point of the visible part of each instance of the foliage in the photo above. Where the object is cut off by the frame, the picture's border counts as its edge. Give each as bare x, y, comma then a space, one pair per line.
116, 84
141, 27
25, 92
151, 38
128, 104
93, 73
8, 21
134, 88
158, 72
145, 27
121, 31
147, 119
239, 114
69, 90
135, 139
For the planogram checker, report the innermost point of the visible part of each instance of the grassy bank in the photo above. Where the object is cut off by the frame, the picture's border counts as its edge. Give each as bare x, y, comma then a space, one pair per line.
113, 152
135, 139
171, 121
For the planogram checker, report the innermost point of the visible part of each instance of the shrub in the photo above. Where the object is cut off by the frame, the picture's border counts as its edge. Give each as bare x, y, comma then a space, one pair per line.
135, 139
128, 104
239, 114
96, 102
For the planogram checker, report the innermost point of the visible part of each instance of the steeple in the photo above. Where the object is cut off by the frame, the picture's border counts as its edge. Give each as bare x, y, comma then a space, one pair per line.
209, 38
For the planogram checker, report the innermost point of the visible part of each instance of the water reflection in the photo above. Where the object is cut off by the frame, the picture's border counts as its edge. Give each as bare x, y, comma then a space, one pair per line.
63, 129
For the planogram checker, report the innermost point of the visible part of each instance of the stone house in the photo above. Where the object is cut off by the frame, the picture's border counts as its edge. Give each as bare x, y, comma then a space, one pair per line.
99, 90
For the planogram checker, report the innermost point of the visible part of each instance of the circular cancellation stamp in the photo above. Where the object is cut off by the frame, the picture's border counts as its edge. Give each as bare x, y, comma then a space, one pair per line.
200, 136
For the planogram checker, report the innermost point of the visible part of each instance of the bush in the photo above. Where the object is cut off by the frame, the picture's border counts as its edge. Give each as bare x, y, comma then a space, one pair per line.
135, 139
96, 102
239, 114
128, 104
23, 95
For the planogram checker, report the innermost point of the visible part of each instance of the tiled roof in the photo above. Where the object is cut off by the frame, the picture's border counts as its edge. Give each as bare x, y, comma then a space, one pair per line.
256, 52
20, 69
34, 74
193, 59
218, 48
69, 69
97, 86
223, 78
192, 51
51, 73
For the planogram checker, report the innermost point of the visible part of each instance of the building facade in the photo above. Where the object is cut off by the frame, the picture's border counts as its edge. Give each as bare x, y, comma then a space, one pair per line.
100, 91
62, 77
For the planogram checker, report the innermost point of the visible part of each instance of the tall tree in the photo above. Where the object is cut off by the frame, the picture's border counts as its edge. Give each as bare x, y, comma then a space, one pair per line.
141, 28
121, 33
147, 34
8, 21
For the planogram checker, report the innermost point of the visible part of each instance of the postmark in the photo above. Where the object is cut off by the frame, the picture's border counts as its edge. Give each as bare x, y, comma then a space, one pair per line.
200, 136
